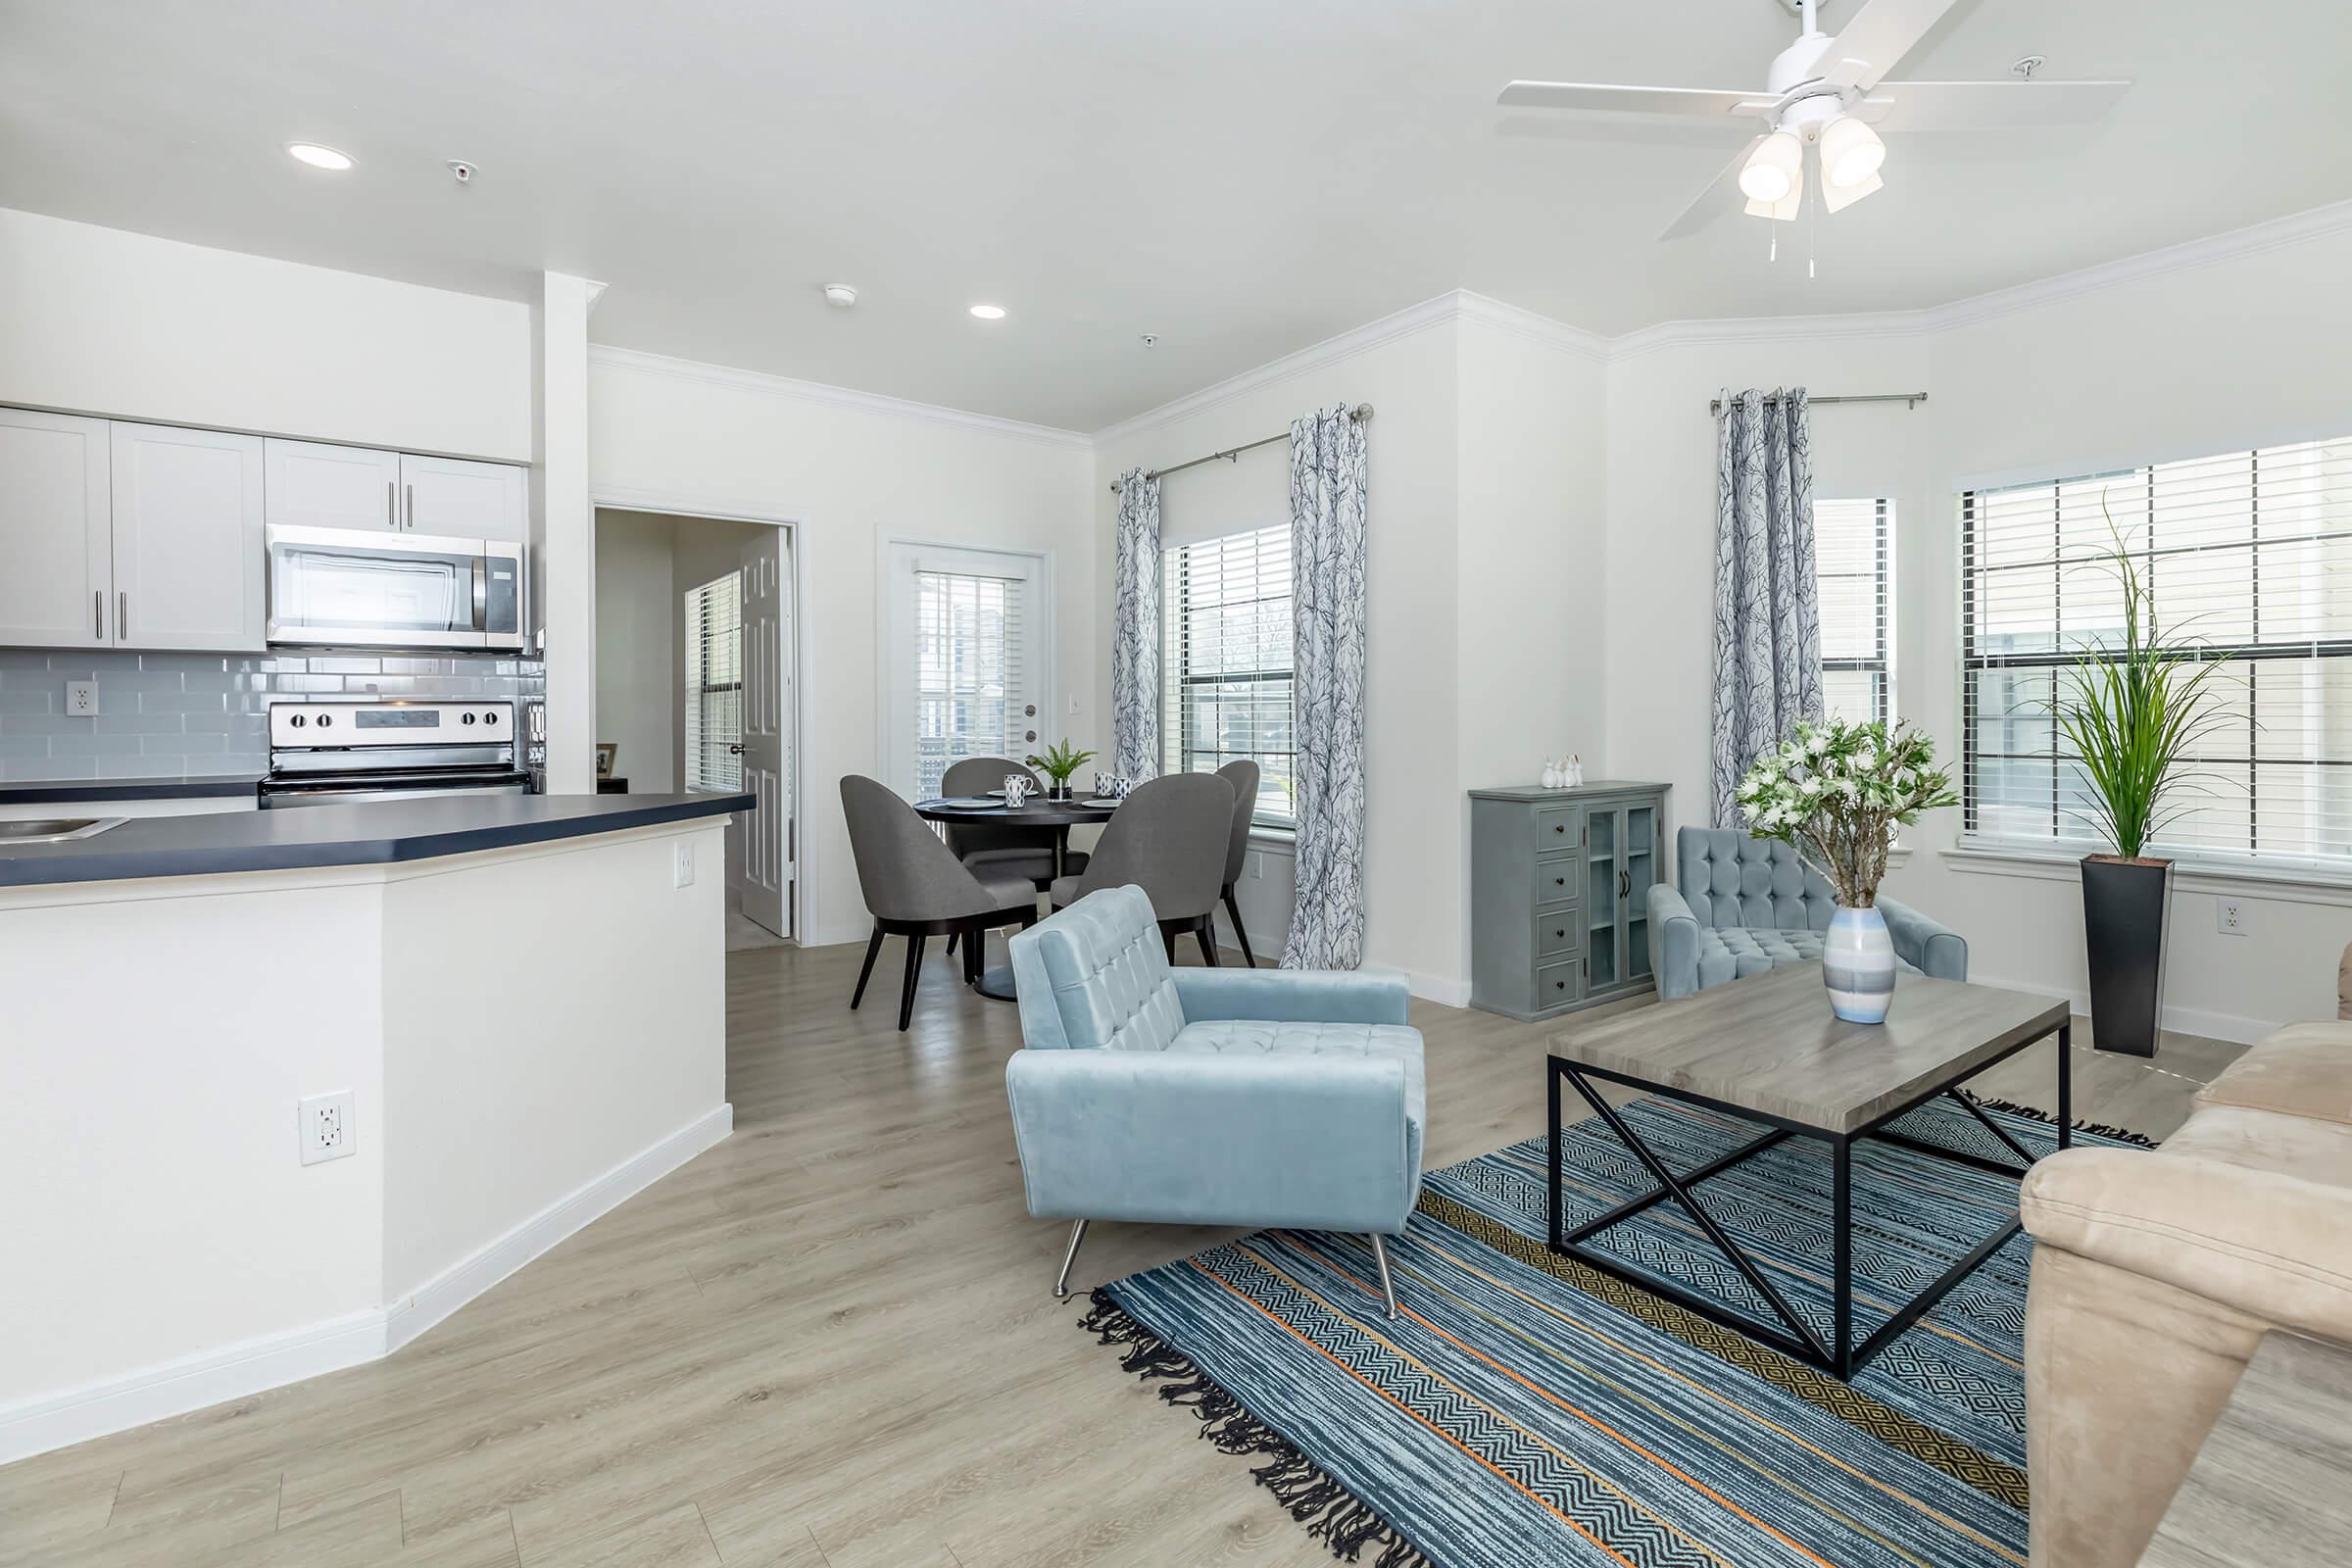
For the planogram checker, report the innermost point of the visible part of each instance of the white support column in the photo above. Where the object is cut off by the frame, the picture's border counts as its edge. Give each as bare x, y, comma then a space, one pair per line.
564, 531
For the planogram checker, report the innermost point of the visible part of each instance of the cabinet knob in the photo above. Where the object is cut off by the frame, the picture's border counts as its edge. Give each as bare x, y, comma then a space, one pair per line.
1560, 985
1559, 827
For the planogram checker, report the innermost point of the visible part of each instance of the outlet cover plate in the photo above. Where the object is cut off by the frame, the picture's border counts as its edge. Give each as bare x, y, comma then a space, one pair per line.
682, 869
81, 699
327, 1129
2230, 917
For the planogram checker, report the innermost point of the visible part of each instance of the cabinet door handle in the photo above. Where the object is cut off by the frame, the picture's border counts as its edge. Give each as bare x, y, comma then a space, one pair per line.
122, 613
98, 613
1625, 884
412, 523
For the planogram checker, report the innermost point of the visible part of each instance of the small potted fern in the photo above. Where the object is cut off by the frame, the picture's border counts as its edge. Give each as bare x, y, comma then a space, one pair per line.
2131, 713
1058, 762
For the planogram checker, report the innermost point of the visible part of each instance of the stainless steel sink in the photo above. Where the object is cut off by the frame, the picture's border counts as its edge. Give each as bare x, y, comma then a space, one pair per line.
56, 829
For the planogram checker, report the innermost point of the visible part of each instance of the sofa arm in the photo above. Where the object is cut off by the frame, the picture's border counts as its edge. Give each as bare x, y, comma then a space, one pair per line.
1922, 943
1320, 1142
1293, 995
1674, 939
2275, 1247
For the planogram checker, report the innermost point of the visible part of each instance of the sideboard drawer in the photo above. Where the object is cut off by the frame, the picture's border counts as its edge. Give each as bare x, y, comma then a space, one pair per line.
1558, 832
1556, 932
1556, 882
1556, 984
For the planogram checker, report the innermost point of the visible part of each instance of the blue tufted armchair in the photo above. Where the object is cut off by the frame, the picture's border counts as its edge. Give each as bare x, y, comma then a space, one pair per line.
1747, 905
1209, 1097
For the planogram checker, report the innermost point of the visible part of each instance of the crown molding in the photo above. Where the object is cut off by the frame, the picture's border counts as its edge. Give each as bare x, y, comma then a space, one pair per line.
637, 362
1719, 330
1525, 324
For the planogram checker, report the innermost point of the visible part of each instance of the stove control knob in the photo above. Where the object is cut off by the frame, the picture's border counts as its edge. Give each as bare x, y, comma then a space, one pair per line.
297, 721
490, 717
326, 719
467, 719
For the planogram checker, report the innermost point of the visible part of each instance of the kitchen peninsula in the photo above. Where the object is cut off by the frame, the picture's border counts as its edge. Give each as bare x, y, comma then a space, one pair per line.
517, 1001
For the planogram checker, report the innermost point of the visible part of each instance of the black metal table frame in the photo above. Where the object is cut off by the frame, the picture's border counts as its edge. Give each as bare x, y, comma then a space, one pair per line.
1841, 1358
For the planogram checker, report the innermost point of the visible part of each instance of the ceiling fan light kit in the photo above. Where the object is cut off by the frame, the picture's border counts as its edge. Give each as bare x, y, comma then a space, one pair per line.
1830, 94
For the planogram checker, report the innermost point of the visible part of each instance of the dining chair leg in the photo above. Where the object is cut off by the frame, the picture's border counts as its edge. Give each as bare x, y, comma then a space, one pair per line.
914, 972
975, 945
952, 936
1168, 939
865, 971
1205, 933
1233, 907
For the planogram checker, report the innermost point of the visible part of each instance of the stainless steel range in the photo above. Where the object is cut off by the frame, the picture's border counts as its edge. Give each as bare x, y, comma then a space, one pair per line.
334, 753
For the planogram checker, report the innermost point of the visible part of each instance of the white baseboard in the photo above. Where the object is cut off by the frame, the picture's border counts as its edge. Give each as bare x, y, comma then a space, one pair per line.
2180, 1020
1441, 989
273, 1360
438, 1297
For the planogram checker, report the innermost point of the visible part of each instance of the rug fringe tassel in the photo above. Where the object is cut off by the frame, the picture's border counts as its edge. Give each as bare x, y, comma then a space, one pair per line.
2097, 1129
1331, 1513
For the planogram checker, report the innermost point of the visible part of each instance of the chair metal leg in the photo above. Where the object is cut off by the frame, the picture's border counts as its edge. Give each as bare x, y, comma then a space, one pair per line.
1233, 907
1061, 1282
865, 971
914, 973
1388, 1287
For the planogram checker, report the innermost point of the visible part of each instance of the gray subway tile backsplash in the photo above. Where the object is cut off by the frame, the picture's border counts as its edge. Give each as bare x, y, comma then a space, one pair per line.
165, 715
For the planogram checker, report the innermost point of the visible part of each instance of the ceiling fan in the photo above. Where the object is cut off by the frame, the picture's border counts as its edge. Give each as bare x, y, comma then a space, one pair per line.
1830, 97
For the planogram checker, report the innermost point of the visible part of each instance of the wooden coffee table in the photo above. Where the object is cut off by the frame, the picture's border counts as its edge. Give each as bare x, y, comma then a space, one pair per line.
1767, 1048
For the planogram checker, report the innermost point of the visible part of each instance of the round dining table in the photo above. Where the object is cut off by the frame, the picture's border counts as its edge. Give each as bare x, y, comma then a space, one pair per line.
1052, 818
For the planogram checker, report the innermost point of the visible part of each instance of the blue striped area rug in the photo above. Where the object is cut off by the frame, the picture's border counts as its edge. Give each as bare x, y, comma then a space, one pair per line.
1525, 1409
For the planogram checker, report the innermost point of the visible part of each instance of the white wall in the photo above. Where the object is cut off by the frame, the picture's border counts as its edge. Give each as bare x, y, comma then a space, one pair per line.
2148, 363
638, 648
670, 435
105, 321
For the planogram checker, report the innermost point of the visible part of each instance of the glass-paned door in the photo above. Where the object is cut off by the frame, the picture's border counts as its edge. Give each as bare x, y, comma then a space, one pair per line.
1604, 830
966, 667
1641, 870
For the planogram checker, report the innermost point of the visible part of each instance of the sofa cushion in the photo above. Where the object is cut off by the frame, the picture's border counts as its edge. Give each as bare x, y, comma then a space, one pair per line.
1736, 952
2304, 1069
1732, 880
1250, 1038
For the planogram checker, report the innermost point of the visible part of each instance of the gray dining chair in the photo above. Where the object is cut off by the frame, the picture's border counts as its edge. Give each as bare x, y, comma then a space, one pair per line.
916, 888
1001, 848
1169, 838
1243, 775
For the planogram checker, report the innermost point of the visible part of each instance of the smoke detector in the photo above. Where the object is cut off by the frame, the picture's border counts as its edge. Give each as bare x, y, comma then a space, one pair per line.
840, 296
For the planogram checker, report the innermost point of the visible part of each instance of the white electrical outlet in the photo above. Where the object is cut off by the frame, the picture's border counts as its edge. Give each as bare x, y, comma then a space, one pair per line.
2230, 917
682, 869
81, 699
327, 1129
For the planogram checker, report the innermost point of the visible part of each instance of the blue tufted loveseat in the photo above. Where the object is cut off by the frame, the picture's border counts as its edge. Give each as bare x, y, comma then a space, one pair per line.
1209, 1097
1748, 904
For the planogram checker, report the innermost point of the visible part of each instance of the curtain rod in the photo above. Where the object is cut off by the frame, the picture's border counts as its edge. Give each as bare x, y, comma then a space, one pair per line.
1361, 411
1907, 399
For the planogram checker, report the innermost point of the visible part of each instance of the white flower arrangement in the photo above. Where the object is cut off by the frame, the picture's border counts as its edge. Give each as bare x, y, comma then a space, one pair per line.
1837, 793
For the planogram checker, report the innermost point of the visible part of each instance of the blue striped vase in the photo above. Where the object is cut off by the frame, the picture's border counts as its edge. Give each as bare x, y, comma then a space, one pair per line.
1857, 964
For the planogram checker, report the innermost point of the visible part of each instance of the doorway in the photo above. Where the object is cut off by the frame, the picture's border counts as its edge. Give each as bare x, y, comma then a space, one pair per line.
969, 660
696, 687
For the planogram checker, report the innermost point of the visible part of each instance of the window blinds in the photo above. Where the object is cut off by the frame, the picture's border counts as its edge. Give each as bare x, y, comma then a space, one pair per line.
971, 671
1850, 543
2248, 554
714, 685
1226, 664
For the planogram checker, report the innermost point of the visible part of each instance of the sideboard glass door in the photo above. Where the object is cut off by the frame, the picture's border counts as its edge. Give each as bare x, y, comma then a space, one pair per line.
1604, 834
1641, 839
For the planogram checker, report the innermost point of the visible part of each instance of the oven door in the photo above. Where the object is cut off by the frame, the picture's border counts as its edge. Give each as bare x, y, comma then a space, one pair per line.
331, 587
418, 784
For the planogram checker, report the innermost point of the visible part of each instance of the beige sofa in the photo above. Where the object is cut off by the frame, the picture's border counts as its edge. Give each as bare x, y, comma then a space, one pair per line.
2155, 1275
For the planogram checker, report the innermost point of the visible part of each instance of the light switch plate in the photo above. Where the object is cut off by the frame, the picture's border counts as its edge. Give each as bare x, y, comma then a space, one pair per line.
81, 699
682, 867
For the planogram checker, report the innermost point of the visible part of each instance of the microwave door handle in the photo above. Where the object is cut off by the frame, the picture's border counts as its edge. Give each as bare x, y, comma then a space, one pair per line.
481, 593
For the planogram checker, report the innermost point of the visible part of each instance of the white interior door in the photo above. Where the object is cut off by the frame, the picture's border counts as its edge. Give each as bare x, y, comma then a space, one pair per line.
967, 662
760, 864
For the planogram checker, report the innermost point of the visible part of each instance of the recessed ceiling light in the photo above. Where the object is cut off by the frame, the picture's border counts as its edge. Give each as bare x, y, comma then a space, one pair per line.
989, 312
318, 157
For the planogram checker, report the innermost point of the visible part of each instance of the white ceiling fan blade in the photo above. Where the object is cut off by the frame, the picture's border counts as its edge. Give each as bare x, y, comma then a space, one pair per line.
1837, 198
1716, 200
1878, 37
1987, 105
1620, 99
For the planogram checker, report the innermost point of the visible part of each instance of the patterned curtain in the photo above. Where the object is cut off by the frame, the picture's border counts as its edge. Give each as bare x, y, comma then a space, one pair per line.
1327, 605
1767, 598
1134, 631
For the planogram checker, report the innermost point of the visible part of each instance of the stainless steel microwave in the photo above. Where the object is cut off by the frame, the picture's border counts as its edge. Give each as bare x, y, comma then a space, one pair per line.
341, 587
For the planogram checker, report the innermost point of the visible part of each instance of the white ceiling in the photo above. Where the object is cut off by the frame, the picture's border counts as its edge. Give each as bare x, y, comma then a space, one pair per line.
1243, 179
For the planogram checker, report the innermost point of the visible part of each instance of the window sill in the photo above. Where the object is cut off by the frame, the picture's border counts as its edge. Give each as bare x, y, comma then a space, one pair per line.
2283, 884
1275, 839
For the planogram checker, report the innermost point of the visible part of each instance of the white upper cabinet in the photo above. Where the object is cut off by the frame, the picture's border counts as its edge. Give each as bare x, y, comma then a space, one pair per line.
463, 500
313, 485
187, 539
55, 574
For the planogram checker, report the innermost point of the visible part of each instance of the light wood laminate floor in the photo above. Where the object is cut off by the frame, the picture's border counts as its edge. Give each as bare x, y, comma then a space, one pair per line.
829, 1343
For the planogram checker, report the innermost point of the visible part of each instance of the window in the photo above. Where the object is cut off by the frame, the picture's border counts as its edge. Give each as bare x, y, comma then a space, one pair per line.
1226, 663
714, 685
1851, 544
970, 671
2250, 555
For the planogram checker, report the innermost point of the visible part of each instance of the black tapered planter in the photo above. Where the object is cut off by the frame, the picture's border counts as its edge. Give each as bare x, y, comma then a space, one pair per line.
2127, 910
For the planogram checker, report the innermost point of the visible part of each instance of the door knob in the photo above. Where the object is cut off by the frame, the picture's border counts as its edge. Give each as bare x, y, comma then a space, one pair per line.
734, 751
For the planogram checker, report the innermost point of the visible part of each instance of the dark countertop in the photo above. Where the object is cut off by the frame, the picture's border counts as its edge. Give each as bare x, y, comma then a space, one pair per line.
180, 787
367, 833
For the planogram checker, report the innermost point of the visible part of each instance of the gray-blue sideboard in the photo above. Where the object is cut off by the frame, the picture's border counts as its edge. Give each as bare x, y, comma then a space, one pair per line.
1559, 895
